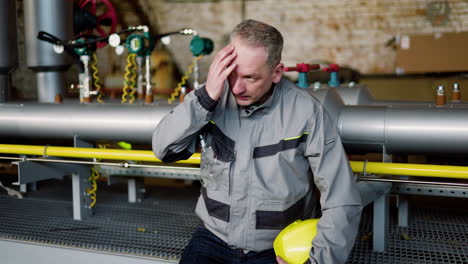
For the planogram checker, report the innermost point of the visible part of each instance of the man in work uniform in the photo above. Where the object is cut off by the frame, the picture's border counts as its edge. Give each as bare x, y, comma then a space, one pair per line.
265, 144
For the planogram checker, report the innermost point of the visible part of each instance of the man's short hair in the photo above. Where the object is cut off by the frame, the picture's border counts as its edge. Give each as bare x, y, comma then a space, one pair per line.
259, 34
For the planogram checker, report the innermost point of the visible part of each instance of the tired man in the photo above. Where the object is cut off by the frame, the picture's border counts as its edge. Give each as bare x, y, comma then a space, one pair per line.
267, 147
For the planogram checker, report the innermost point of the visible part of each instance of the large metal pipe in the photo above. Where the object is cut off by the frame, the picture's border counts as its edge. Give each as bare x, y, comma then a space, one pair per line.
362, 128
8, 46
55, 17
331, 101
395, 129
49, 84
356, 95
360, 95
89, 122
404, 129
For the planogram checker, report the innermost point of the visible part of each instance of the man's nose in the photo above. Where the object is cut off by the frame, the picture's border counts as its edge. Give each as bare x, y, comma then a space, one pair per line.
238, 87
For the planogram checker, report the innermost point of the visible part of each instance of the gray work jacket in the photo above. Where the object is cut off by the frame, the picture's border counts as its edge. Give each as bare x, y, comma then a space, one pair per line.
267, 160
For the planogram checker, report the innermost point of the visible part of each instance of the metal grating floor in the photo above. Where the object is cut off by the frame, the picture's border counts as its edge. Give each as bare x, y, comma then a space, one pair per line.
433, 236
161, 225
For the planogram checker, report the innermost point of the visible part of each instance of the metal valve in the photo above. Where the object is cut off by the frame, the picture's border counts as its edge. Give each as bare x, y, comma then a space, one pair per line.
302, 69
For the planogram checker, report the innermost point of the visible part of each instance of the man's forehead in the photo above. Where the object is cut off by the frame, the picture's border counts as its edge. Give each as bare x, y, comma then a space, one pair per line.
249, 59
245, 46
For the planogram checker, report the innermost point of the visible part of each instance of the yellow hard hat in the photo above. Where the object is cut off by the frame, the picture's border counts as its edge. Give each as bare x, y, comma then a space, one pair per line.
293, 243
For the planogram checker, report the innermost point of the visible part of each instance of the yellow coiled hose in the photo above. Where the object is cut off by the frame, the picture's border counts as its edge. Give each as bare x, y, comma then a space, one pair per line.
130, 80
183, 79
95, 174
96, 78
92, 192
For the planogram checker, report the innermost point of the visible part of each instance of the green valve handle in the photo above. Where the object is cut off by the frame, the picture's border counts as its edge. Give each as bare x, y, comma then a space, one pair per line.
139, 44
201, 46
85, 50
135, 43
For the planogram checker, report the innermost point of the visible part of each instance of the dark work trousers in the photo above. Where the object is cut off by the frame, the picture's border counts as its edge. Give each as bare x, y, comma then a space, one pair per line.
207, 248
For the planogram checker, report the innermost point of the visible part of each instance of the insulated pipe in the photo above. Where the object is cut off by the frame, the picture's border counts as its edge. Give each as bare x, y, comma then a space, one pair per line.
56, 18
360, 95
331, 101
117, 122
71, 152
362, 128
404, 129
356, 95
8, 46
49, 85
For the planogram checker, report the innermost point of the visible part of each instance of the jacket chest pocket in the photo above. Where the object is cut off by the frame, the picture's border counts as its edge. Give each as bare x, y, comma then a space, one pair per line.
217, 158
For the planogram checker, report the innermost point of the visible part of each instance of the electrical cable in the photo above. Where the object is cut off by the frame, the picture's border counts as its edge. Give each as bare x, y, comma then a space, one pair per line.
183, 79
133, 80
96, 78
95, 175
128, 82
92, 192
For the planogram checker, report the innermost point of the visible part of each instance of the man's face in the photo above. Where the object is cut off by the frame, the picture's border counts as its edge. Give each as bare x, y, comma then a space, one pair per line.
252, 78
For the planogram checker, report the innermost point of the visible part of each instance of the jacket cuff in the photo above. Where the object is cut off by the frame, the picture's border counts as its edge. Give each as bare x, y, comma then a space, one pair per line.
205, 100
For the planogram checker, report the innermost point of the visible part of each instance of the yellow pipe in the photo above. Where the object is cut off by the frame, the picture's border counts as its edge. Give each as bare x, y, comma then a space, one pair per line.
420, 170
89, 153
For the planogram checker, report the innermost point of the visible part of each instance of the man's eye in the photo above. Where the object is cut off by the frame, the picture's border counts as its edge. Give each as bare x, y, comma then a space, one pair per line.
251, 79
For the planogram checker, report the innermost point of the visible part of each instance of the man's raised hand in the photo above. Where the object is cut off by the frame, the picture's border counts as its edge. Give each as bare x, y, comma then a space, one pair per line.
220, 69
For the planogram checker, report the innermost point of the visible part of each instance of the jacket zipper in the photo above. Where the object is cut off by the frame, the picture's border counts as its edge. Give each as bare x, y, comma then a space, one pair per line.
246, 231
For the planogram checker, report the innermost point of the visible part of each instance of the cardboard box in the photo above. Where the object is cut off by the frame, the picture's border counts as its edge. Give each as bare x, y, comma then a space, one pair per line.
439, 52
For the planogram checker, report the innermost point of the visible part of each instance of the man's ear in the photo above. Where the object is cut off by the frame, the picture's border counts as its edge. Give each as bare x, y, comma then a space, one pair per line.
278, 72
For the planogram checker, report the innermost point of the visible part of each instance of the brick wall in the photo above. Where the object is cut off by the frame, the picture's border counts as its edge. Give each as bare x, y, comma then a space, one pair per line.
352, 32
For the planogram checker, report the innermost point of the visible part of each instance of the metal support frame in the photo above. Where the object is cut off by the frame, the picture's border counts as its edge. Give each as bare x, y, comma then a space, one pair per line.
403, 208
28, 187
381, 223
81, 200
430, 190
80, 182
29, 173
181, 173
136, 189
